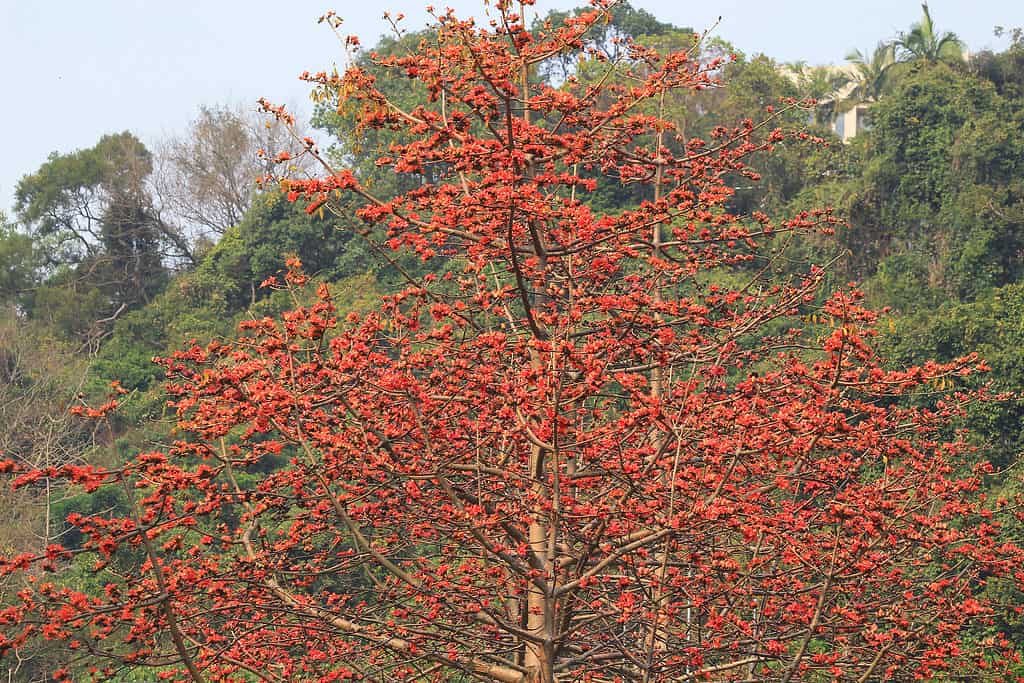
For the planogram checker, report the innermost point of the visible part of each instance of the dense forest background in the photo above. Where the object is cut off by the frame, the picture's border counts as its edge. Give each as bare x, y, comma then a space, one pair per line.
117, 254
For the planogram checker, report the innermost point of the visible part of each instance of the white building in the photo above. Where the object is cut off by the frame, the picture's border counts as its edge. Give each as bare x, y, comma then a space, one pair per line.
847, 124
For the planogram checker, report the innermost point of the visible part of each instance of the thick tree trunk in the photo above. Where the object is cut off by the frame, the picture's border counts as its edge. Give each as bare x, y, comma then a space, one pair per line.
538, 606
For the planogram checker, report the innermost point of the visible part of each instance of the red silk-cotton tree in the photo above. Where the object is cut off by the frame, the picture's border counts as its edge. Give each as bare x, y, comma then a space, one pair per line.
571, 452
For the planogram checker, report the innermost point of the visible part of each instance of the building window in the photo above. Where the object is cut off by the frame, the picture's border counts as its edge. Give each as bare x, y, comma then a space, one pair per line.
863, 119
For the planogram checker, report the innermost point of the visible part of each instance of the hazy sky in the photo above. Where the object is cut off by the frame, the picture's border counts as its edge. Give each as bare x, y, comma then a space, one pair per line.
74, 70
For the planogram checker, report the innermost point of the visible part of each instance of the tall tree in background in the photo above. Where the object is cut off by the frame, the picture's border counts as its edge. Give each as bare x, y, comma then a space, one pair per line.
924, 43
819, 83
93, 210
577, 455
872, 76
19, 263
624, 23
205, 179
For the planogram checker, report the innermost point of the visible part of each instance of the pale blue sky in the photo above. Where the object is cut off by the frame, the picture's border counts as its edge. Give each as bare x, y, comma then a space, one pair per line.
74, 70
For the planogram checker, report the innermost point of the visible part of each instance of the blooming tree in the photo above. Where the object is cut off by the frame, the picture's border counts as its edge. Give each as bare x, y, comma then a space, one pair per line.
572, 452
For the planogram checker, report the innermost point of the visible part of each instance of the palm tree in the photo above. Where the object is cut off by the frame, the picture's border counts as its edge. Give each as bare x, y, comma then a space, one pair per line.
923, 43
870, 78
820, 83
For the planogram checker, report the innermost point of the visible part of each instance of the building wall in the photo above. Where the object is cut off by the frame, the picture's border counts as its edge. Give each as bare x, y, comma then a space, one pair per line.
848, 124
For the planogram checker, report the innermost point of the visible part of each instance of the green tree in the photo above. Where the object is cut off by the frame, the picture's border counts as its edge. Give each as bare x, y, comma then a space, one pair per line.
108, 245
924, 43
1005, 69
19, 263
905, 204
610, 37
820, 83
871, 76
752, 87
990, 326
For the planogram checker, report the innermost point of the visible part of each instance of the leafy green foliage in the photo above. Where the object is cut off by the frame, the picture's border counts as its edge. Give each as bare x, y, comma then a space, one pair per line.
105, 239
872, 76
923, 42
938, 201
991, 326
19, 262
